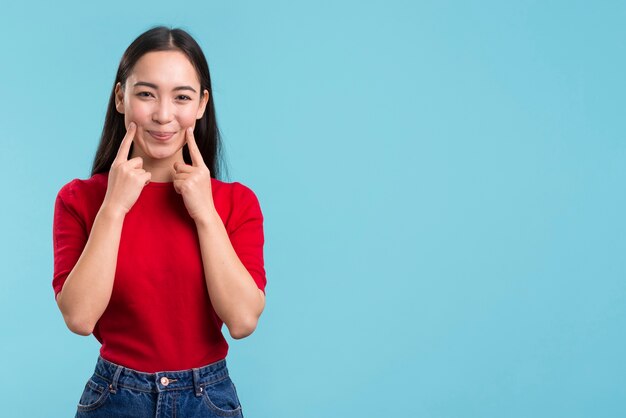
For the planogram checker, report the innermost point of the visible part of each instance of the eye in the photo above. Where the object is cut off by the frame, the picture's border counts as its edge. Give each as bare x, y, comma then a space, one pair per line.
183, 97
144, 94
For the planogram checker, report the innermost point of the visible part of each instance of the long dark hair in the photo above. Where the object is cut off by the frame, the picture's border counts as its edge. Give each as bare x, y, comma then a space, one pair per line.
206, 133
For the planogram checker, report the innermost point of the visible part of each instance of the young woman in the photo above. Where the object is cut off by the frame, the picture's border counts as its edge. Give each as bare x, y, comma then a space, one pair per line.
152, 253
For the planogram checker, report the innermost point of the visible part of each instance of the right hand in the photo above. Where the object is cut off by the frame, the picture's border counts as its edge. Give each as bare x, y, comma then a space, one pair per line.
127, 178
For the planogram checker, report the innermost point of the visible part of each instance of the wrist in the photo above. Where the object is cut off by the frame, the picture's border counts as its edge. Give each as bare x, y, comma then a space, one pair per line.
208, 219
112, 212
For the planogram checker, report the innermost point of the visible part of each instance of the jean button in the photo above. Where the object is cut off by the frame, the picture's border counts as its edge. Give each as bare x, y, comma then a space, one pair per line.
165, 381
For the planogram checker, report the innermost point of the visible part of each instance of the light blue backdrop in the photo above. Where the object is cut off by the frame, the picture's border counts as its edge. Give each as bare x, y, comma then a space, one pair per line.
442, 184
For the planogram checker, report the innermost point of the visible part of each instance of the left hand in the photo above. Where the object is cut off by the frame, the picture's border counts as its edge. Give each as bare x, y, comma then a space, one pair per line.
194, 182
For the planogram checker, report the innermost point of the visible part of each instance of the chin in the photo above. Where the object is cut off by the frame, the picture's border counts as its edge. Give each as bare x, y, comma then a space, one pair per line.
165, 151
163, 155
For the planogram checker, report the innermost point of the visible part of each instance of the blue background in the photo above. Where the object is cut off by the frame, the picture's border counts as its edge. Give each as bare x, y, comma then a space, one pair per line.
442, 184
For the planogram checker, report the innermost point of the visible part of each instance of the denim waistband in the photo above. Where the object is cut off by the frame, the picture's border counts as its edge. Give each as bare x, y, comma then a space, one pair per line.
196, 379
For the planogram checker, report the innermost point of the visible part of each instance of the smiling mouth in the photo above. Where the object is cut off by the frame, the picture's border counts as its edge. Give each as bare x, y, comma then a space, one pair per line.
161, 136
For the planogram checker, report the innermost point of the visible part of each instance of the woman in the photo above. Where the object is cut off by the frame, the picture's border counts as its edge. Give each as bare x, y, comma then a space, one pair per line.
153, 253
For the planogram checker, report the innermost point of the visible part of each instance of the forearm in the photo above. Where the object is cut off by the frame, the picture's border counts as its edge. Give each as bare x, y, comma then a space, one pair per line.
236, 298
87, 290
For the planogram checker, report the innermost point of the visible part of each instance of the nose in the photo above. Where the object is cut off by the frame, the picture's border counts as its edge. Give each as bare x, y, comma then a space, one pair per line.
163, 112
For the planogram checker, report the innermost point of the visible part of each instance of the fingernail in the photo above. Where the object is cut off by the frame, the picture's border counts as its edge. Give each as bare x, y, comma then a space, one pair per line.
131, 125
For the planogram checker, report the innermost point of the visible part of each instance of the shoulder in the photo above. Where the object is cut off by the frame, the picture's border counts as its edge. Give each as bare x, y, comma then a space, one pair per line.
81, 190
235, 192
235, 202
80, 199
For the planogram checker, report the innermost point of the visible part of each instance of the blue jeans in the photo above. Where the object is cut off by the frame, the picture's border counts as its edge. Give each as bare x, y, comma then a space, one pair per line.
116, 391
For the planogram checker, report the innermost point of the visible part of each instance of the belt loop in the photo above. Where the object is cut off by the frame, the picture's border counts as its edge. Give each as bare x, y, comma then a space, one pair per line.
196, 382
116, 376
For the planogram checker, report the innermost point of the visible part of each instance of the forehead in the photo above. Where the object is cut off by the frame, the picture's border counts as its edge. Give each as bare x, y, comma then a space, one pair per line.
164, 68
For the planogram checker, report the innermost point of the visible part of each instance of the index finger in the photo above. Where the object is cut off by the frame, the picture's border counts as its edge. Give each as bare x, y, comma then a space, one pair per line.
194, 151
122, 152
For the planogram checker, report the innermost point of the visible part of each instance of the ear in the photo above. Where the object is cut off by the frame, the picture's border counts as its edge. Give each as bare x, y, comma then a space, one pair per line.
119, 98
203, 102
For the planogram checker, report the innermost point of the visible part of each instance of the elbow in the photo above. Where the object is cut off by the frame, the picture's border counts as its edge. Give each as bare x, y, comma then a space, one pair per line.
243, 328
78, 327
76, 324
245, 323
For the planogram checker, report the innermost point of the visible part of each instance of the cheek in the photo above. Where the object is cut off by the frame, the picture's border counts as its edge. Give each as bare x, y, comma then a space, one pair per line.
138, 112
187, 117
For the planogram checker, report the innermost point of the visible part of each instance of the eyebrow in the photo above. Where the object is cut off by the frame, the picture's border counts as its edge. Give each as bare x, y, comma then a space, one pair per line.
154, 86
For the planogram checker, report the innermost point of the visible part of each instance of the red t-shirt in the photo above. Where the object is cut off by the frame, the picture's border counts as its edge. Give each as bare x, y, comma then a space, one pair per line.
159, 317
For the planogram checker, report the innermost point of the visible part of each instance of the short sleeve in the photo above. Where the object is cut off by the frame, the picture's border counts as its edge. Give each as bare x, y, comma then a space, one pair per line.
69, 237
246, 233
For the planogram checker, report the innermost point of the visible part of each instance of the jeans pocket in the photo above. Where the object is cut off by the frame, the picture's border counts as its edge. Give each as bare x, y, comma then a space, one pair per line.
221, 398
95, 393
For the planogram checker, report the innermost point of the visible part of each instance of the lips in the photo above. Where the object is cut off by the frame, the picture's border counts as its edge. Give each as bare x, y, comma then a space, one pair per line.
161, 136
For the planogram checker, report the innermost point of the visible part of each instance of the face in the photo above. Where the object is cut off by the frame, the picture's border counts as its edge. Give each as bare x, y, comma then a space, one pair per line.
162, 96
